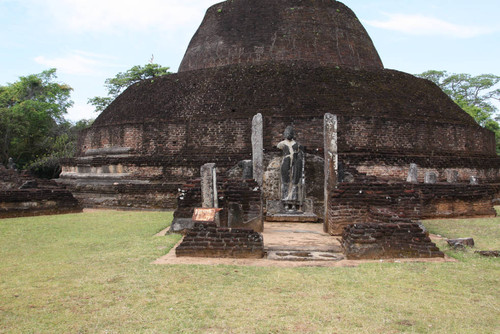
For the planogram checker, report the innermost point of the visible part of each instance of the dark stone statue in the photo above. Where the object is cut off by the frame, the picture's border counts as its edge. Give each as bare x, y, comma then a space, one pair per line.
292, 171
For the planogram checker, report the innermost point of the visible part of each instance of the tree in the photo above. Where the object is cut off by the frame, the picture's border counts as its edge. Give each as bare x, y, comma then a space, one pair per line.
31, 112
122, 80
474, 94
62, 146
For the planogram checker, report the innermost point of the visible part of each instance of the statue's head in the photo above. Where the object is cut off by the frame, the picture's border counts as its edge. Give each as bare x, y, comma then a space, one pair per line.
289, 133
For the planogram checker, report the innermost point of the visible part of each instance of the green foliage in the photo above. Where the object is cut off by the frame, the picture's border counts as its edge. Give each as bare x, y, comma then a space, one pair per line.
474, 94
62, 146
31, 115
122, 80
100, 103
46, 167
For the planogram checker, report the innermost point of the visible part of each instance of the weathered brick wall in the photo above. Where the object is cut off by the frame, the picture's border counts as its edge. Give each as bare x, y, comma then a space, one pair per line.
34, 202
37, 196
125, 195
398, 135
161, 138
356, 202
188, 199
384, 111
239, 31
396, 166
244, 192
208, 240
373, 136
382, 241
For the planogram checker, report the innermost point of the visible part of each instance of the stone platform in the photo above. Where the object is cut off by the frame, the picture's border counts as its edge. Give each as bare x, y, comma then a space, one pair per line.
292, 218
305, 242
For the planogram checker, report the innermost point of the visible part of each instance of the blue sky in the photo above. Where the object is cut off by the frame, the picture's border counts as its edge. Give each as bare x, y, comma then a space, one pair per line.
91, 40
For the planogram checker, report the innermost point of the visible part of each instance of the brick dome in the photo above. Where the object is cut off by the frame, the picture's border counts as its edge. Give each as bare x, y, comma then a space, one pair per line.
325, 32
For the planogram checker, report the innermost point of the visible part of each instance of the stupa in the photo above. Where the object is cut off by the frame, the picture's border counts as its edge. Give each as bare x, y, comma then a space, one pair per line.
291, 61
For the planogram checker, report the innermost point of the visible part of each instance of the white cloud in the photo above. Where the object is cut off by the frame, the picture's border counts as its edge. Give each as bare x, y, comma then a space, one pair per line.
119, 15
78, 63
427, 26
81, 110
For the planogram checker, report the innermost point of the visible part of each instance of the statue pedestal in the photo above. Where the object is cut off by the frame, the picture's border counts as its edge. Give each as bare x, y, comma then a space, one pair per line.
276, 212
292, 218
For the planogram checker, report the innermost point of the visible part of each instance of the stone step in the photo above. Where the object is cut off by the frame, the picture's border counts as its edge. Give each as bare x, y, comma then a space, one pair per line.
292, 218
303, 255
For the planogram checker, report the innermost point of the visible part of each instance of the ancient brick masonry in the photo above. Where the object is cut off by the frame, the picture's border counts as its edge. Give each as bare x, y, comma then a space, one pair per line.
33, 202
292, 61
242, 31
244, 192
39, 197
361, 202
379, 241
208, 240
126, 195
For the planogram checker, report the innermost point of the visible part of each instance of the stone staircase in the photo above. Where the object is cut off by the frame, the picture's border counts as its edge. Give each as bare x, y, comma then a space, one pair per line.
301, 255
289, 241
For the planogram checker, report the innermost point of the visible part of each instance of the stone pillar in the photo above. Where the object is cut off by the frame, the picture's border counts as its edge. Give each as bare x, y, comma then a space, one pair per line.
413, 174
452, 176
257, 148
430, 178
208, 186
209, 198
331, 161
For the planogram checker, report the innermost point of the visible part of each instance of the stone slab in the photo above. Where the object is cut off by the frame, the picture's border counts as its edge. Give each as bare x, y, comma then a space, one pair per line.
181, 225
303, 238
296, 218
299, 255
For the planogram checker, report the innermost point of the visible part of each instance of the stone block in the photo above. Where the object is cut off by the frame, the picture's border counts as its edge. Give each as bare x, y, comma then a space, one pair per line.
430, 178
274, 207
461, 243
452, 176
488, 253
181, 225
412, 174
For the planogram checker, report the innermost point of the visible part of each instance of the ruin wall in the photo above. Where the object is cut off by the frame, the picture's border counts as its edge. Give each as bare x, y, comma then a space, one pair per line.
387, 241
208, 240
361, 202
366, 135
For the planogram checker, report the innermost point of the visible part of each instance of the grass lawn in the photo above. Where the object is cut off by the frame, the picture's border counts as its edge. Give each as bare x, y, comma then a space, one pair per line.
92, 273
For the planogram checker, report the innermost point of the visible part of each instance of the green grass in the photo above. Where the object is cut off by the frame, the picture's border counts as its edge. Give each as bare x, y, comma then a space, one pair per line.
92, 273
485, 231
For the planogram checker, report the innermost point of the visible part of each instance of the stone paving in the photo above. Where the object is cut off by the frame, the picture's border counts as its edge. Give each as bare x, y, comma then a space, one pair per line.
300, 242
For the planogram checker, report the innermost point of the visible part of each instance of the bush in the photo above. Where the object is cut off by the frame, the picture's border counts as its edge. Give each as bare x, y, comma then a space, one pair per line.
47, 167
